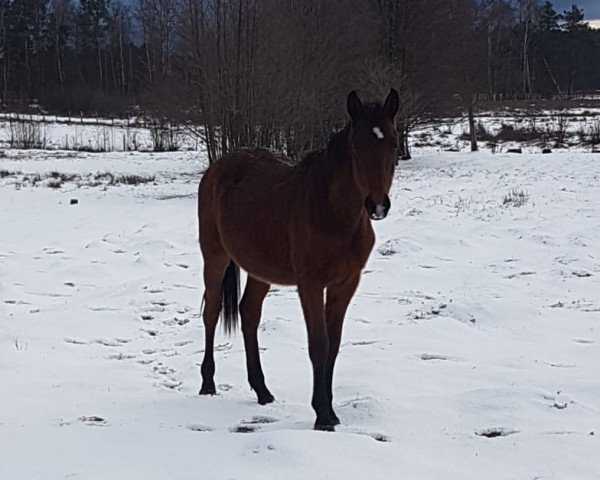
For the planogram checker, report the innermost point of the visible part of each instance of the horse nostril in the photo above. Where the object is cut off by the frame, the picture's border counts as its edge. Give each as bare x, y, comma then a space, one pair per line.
377, 211
380, 212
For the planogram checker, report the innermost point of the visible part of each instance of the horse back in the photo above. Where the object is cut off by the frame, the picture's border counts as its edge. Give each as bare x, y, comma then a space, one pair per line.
246, 197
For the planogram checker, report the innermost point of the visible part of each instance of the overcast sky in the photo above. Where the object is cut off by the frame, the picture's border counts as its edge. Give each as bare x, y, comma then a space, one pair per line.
591, 8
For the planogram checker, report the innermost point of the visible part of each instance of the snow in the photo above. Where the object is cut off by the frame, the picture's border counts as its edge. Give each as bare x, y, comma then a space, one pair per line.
91, 134
471, 349
448, 134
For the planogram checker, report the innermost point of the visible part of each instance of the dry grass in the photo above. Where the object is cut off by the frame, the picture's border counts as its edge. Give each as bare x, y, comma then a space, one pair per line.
515, 198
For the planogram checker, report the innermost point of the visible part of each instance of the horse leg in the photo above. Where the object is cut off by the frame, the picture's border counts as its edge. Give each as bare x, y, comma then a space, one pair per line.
338, 298
214, 271
311, 298
250, 310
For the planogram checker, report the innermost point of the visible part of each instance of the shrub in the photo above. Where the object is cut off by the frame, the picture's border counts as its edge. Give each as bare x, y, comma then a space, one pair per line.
27, 135
594, 137
164, 136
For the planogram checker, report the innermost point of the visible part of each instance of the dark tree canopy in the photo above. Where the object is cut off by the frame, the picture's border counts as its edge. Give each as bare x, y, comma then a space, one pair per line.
275, 73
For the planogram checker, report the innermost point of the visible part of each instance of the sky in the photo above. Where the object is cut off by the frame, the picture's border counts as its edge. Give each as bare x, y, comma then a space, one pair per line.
591, 8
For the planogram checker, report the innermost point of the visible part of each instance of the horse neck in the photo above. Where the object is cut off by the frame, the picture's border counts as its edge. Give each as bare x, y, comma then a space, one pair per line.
337, 189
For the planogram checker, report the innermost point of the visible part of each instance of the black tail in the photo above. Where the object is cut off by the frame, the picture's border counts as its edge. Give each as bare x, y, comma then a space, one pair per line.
230, 294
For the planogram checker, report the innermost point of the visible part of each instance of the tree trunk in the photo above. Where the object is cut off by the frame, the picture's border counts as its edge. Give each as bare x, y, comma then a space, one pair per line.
558, 90
472, 128
403, 148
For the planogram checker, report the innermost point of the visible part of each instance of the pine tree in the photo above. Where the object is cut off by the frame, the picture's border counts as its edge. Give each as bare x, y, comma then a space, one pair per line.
574, 19
93, 19
27, 41
549, 18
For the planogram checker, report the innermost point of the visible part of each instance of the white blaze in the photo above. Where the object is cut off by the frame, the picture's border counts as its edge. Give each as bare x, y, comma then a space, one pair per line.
378, 133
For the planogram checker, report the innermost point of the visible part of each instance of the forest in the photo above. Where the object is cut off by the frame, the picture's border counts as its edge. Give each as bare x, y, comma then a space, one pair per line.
276, 72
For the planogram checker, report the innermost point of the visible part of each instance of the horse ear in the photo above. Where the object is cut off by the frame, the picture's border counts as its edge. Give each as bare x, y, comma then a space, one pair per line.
392, 103
354, 105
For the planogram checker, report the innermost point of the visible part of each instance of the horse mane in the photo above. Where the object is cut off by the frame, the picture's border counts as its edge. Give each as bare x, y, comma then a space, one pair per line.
336, 146
338, 141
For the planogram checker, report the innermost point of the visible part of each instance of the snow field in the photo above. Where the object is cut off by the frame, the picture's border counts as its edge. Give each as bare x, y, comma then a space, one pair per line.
471, 349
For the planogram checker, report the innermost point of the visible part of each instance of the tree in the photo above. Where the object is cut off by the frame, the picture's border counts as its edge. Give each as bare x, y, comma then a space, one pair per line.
61, 18
549, 18
4, 51
574, 19
119, 39
93, 18
26, 39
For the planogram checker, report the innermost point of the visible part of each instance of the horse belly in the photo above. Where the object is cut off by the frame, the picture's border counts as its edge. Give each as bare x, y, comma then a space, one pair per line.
255, 233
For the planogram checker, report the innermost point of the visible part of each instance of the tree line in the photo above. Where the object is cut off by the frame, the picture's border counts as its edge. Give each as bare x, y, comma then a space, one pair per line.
276, 72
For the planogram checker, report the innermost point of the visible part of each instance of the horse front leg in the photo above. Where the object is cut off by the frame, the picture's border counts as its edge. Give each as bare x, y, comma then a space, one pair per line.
313, 306
338, 298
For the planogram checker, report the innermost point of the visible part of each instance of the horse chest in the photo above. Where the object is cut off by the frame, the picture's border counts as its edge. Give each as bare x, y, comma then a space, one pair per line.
333, 259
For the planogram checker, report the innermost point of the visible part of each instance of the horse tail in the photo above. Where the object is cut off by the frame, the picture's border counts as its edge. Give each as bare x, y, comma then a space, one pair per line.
230, 294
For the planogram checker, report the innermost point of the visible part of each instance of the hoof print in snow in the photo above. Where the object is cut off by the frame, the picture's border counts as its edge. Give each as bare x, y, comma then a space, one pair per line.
430, 356
121, 356
380, 437
74, 341
108, 343
254, 424
360, 343
199, 428
386, 250
583, 341
171, 384
259, 419
245, 428
581, 274
176, 321
94, 421
494, 432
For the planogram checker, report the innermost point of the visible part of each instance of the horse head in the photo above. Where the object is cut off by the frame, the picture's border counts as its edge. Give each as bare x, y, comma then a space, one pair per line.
374, 143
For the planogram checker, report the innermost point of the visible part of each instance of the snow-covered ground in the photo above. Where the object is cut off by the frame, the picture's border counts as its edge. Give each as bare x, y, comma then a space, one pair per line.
471, 350
531, 131
539, 126
88, 134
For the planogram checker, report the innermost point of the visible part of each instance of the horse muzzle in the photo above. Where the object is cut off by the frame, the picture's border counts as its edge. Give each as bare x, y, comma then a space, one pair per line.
378, 211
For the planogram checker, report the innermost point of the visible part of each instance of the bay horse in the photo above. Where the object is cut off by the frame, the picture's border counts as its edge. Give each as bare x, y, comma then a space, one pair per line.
307, 225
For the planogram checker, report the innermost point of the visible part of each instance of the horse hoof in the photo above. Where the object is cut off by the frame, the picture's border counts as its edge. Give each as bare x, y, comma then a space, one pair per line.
334, 419
266, 398
208, 390
324, 427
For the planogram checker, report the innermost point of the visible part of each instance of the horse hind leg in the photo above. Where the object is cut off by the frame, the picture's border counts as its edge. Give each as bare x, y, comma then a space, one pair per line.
214, 272
250, 311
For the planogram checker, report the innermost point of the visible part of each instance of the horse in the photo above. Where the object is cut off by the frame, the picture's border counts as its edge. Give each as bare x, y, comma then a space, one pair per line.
307, 225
